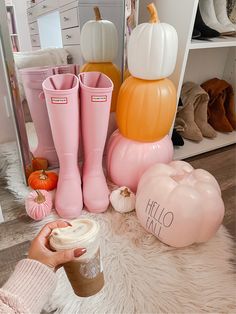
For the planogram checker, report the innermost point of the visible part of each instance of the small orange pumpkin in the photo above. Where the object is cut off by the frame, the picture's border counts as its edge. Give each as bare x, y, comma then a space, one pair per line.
146, 109
43, 180
39, 163
112, 71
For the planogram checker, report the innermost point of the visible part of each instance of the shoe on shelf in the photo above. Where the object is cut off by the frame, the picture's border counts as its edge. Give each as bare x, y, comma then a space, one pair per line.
208, 14
221, 13
196, 34
220, 109
206, 31
177, 139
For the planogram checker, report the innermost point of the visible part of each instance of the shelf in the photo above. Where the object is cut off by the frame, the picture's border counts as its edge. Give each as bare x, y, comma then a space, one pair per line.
192, 148
213, 43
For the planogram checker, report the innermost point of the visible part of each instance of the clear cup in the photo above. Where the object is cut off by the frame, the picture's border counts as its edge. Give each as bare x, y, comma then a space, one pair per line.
85, 273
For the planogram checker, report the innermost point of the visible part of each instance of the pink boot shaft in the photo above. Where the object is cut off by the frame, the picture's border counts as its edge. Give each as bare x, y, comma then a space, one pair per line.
32, 80
95, 100
61, 92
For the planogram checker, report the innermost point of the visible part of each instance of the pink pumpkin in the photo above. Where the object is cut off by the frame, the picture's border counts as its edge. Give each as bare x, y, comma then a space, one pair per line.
38, 204
127, 160
178, 204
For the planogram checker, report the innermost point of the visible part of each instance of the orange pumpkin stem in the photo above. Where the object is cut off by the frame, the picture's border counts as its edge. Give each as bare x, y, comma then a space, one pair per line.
43, 175
40, 197
125, 193
153, 12
97, 14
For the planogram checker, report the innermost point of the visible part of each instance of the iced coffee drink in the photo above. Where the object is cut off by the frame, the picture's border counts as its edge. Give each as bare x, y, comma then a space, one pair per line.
85, 273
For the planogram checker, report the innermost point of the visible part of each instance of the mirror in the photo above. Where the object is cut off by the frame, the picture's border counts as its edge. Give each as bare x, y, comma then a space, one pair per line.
48, 34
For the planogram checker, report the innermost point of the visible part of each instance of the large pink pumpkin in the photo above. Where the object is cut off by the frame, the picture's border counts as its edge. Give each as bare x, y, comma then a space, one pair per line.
178, 204
127, 160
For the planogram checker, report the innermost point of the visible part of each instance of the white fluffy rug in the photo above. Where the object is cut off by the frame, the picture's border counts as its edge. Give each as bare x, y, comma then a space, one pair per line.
142, 274
10, 169
145, 276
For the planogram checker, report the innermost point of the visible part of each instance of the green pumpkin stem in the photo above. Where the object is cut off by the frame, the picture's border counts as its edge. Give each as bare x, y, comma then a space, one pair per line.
125, 192
97, 14
40, 197
43, 175
153, 12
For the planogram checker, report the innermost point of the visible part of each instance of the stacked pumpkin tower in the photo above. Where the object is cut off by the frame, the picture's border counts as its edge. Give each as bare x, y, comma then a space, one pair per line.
99, 47
146, 103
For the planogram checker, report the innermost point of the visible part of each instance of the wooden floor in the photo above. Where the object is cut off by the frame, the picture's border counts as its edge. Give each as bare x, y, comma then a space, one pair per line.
18, 229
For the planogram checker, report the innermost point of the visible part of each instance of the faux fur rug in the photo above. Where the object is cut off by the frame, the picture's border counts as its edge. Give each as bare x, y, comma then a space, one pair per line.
142, 274
145, 276
10, 169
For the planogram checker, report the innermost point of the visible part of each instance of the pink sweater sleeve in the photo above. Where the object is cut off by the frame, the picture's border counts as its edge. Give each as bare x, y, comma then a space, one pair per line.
28, 288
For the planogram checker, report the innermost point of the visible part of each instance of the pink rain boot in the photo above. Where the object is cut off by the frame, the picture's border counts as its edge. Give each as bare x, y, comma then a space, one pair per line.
67, 68
95, 97
32, 79
61, 92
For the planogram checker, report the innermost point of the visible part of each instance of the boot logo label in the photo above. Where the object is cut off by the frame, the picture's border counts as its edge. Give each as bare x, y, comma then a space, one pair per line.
100, 98
59, 100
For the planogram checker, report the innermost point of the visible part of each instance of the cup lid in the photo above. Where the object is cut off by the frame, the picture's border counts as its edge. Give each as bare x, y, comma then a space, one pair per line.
79, 234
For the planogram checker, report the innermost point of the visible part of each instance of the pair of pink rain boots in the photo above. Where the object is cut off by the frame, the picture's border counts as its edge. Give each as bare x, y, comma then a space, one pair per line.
32, 79
72, 100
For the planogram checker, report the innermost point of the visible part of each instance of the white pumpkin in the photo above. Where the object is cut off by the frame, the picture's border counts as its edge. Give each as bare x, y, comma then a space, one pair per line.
152, 49
123, 200
99, 40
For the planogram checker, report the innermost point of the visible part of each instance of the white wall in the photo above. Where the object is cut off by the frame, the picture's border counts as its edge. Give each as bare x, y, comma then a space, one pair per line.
22, 24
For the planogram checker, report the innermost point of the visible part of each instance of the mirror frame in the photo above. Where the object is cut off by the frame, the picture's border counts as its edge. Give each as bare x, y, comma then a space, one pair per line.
13, 91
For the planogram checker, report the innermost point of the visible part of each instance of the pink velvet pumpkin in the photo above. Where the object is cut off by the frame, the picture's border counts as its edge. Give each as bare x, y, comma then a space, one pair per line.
38, 204
180, 205
127, 159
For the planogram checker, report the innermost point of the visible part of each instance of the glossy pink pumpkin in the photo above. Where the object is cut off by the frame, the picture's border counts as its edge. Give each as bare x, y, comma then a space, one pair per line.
127, 160
38, 204
178, 204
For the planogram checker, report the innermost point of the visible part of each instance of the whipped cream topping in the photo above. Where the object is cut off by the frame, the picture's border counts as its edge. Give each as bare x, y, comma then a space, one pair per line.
81, 233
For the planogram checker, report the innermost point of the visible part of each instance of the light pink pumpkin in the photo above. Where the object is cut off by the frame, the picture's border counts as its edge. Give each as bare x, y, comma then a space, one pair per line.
127, 160
38, 204
178, 204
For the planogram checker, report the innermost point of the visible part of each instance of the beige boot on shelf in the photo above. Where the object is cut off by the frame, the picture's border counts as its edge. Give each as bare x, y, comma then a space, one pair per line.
185, 119
200, 98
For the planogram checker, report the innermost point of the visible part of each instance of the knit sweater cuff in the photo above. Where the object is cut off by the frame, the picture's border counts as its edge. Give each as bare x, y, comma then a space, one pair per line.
32, 282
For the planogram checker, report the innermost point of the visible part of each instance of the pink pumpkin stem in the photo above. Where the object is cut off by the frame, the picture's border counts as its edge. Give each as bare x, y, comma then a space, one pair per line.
40, 197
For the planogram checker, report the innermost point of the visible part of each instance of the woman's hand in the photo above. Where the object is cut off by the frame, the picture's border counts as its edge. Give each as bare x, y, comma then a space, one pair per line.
40, 248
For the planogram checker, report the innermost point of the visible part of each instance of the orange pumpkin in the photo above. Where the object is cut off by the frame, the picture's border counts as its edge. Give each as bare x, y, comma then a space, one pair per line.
43, 180
39, 163
146, 109
112, 71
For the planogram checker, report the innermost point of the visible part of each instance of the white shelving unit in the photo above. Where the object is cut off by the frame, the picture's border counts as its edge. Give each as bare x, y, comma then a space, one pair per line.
197, 61
213, 43
192, 148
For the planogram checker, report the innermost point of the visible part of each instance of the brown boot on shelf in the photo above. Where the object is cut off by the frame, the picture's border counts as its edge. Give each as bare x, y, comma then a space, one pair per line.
185, 118
217, 91
199, 98
230, 106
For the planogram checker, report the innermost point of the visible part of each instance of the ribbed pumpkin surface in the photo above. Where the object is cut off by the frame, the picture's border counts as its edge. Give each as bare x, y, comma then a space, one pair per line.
146, 109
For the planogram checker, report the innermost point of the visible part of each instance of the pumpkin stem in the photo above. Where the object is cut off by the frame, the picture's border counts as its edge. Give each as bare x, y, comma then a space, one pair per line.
97, 13
43, 175
153, 12
40, 197
32, 155
125, 192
